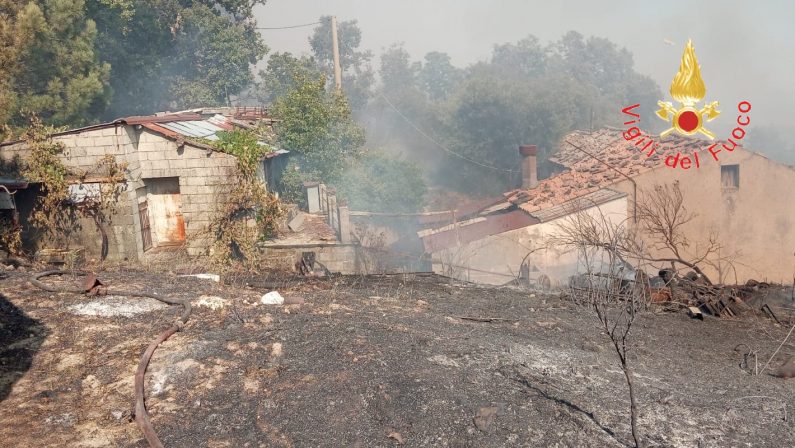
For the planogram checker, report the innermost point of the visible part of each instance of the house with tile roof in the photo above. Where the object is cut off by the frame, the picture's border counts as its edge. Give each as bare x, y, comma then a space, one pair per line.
738, 197
174, 177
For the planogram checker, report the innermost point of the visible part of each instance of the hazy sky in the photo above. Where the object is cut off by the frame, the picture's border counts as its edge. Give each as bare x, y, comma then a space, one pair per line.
745, 49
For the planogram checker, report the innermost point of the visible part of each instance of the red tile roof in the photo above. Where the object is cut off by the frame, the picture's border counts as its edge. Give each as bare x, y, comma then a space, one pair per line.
584, 174
582, 184
474, 229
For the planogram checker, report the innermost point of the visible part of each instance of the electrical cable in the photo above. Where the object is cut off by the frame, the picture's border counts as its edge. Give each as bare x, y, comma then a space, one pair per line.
432, 140
287, 27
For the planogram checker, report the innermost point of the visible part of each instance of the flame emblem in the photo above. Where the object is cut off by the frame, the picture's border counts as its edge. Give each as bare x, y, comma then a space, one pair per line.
688, 88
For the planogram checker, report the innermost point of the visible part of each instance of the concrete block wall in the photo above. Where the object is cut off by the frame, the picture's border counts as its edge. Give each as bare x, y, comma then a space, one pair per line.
83, 150
81, 153
205, 177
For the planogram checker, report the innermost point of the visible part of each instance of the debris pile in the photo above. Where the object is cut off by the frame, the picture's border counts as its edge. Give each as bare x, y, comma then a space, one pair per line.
720, 300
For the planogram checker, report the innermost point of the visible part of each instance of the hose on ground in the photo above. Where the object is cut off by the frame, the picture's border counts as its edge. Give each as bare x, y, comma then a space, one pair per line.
141, 415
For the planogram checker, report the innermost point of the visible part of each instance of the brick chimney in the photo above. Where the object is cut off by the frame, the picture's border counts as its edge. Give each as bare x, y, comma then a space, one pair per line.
529, 165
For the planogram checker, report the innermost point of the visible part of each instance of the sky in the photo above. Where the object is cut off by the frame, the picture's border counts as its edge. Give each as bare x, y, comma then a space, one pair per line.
745, 48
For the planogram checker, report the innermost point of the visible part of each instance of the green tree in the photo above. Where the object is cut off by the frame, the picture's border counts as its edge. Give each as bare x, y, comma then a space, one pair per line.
317, 126
357, 76
282, 75
399, 106
48, 64
608, 70
525, 58
527, 93
490, 116
438, 77
398, 74
175, 54
378, 182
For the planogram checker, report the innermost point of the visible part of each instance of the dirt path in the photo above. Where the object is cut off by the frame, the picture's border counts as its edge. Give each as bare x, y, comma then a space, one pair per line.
373, 362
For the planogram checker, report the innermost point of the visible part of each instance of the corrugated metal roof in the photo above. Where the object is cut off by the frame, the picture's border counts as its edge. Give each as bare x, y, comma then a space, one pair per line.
194, 128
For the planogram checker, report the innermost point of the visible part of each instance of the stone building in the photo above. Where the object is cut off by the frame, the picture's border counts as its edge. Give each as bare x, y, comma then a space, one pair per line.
740, 199
173, 182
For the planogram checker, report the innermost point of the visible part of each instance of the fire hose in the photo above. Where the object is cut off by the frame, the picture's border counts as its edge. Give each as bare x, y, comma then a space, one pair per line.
93, 286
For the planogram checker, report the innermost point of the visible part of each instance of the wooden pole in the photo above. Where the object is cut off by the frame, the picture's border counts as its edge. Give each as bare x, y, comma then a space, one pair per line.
335, 48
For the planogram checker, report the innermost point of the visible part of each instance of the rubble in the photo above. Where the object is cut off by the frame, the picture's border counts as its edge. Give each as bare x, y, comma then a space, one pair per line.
272, 298
724, 301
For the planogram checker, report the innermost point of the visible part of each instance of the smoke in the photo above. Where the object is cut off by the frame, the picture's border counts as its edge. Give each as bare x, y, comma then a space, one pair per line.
742, 47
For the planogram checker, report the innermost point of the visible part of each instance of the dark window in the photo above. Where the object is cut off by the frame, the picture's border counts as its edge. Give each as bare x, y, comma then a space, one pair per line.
730, 176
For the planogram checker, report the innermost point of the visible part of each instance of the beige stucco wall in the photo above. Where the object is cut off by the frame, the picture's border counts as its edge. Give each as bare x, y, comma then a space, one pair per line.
497, 259
754, 223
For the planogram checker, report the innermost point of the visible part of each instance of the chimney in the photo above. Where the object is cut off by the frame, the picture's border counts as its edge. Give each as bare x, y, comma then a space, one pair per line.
529, 165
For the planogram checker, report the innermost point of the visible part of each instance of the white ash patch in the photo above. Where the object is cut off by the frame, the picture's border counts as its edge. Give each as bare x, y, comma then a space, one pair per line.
574, 367
161, 379
112, 306
443, 360
211, 302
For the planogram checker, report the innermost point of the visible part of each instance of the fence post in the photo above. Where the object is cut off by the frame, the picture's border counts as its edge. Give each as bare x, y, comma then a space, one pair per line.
344, 214
332, 209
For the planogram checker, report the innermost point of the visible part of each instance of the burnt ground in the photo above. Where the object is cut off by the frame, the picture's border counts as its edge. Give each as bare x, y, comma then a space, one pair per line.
374, 362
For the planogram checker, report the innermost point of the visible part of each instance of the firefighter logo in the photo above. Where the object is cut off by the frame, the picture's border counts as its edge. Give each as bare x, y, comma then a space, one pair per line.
688, 89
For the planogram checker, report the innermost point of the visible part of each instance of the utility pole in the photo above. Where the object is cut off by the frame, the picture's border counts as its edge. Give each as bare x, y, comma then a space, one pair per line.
335, 49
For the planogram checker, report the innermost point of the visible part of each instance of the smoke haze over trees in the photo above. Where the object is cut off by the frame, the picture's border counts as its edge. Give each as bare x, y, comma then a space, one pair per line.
76, 62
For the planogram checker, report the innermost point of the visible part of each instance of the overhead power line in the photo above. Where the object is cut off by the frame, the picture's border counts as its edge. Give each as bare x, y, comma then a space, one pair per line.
288, 27
432, 140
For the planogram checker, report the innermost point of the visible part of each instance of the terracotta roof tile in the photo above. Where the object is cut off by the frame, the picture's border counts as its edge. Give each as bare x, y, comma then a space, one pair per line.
585, 175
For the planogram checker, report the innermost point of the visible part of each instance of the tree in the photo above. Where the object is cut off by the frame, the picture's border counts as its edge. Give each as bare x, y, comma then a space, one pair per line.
664, 218
283, 73
397, 72
438, 77
48, 64
248, 213
357, 77
489, 116
526, 58
214, 56
607, 249
378, 182
600, 63
317, 126
175, 54
472, 120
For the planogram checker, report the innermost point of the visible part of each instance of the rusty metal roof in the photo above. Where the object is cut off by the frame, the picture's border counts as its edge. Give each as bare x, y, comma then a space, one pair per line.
141, 119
